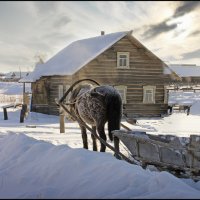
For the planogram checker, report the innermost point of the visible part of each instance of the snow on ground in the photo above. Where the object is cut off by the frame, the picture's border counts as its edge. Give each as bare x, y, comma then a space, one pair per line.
179, 123
43, 163
35, 169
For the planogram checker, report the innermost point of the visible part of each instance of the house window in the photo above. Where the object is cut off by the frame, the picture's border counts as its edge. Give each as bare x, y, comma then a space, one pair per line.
122, 89
60, 91
149, 94
123, 60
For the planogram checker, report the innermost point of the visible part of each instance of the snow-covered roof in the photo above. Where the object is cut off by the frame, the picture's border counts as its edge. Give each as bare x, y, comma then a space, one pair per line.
184, 70
76, 55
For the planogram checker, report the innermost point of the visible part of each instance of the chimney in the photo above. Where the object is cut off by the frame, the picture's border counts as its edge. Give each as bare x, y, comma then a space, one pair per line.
102, 33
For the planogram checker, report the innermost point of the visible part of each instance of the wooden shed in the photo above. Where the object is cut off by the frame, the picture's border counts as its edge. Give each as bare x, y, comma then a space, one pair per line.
117, 59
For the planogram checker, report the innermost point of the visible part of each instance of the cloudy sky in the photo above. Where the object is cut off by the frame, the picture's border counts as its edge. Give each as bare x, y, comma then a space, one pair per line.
33, 29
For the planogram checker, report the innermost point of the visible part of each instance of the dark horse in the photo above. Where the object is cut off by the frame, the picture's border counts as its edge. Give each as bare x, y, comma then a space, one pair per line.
96, 106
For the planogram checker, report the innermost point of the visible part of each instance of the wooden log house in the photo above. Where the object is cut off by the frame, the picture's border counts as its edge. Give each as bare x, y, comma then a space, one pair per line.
116, 59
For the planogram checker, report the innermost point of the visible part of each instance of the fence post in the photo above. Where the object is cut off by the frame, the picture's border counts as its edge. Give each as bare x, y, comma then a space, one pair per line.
62, 120
23, 112
62, 123
5, 114
188, 110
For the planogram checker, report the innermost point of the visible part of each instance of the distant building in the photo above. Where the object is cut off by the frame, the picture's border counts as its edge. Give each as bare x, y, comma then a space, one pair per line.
2, 75
190, 74
13, 76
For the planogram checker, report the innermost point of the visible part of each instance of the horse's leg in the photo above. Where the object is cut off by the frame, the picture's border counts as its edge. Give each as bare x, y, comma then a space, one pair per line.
84, 137
94, 139
100, 129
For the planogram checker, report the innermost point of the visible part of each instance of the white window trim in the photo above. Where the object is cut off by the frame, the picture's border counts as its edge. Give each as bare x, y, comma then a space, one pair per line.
60, 91
122, 88
153, 89
166, 95
127, 60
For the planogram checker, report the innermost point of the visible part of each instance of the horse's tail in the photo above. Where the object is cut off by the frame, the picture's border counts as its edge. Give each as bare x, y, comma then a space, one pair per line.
114, 112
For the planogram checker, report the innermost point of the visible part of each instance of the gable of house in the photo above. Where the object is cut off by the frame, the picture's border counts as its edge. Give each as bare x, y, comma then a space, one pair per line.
144, 75
141, 65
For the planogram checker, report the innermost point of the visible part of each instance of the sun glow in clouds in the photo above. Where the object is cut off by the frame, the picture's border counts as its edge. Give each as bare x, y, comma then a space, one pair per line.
184, 23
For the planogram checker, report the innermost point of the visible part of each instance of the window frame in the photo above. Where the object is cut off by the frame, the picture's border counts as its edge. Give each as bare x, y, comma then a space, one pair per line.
60, 91
166, 95
127, 54
153, 90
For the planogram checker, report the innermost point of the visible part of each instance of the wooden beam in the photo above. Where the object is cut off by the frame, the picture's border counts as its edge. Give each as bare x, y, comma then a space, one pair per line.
62, 123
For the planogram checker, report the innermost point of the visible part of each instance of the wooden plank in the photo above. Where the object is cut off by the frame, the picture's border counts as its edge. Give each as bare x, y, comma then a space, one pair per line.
23, 112
62, 123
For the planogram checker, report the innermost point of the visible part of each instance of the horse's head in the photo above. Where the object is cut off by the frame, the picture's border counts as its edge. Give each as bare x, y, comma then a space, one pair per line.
78, 91
75, 94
